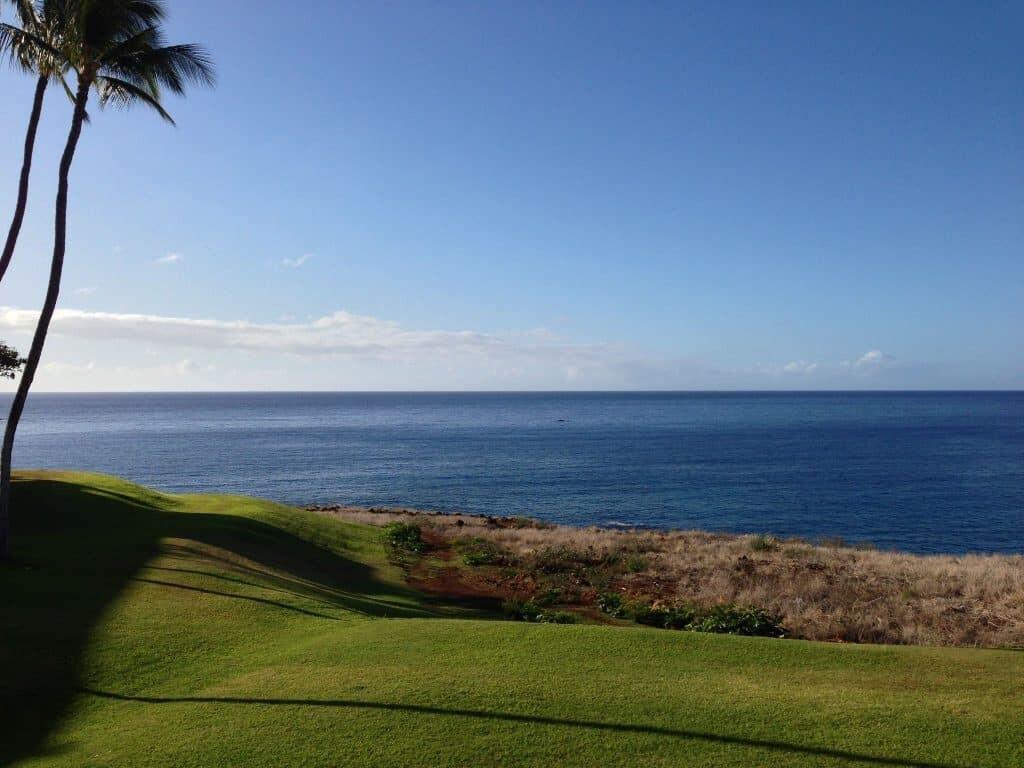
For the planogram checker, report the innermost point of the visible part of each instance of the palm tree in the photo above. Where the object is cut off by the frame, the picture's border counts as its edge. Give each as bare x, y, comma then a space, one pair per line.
30, 48
117, 48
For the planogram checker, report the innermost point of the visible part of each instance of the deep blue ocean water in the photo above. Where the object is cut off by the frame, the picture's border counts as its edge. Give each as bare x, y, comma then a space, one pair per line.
924, 472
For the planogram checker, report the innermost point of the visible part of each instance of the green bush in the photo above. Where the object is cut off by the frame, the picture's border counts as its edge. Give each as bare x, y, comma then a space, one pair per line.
564, 558
477, 552
652, 617
556, 559
521, 610
673, 617
558, 617
636, 563
550, 597
611, 603
528, 610
722, 619
739, 620
763, 543
405, 536
680, 617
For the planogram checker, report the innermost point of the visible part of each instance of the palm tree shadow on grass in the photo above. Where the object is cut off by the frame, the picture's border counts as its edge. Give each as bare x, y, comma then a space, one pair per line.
79, 548
677, 733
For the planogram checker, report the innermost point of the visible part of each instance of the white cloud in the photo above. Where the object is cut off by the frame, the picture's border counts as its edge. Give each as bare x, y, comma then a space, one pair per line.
799, 366
874, 357
339, 333
869, 361
66, 369
57, 371
296, 262
104, 351
170, 258
187, 366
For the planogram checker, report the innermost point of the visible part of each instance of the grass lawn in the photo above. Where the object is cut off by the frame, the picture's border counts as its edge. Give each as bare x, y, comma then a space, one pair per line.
143, 629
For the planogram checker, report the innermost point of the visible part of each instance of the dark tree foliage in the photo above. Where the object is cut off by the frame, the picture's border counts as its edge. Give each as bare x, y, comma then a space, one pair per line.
10, 361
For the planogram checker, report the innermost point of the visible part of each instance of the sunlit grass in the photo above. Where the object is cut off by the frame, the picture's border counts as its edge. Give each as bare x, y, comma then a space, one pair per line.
145, 629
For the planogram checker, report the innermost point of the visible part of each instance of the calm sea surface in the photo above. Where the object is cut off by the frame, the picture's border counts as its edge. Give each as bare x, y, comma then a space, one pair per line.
936, 472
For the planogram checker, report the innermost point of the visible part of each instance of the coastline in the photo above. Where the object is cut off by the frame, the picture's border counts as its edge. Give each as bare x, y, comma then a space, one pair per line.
920, 472
818, 591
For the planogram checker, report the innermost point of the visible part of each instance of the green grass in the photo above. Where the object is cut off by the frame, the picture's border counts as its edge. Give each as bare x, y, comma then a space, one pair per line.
142, 629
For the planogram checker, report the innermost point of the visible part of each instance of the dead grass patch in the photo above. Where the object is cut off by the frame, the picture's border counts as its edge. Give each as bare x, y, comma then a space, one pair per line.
822, 591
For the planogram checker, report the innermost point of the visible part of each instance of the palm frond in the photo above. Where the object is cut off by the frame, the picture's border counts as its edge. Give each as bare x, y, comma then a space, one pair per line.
172, 66
148, 37
26, 49
99, 22
149, 12
123, 94
26, 11
33, 46
118, 46
11, 48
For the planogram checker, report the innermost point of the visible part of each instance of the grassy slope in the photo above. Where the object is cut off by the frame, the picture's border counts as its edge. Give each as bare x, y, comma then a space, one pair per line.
145, 629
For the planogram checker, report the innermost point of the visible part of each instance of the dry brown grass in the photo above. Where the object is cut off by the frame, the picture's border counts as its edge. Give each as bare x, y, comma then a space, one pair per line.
820, 592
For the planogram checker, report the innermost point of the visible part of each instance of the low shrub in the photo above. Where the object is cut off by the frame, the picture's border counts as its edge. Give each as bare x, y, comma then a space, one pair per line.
558, 559
569, 557
651, 616
477, 552
558, 617
725, 619
406, 537
763, 543
611, 603
636, 563
550, 597
521, 610
666, 617
731, 619
680, 616
528, 610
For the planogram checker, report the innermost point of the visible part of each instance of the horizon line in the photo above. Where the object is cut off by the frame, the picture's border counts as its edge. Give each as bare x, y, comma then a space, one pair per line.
520, 391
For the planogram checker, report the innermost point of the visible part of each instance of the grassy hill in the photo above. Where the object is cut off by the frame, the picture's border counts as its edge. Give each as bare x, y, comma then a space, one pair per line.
146, 629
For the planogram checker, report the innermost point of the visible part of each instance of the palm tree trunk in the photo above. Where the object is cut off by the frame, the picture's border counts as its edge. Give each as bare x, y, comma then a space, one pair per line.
39, 338
26, 168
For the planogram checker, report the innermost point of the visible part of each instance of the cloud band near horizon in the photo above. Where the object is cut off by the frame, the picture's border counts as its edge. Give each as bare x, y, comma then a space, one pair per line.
531, 359
339, 333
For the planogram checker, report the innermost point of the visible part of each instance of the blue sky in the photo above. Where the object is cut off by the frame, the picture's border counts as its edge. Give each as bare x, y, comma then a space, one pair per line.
546, 195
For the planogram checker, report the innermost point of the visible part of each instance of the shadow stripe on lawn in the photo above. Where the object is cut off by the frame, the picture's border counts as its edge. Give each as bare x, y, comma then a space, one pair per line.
536, 719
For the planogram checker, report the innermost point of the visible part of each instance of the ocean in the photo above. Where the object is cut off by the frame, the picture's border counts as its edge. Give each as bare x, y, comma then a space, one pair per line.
921, 472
